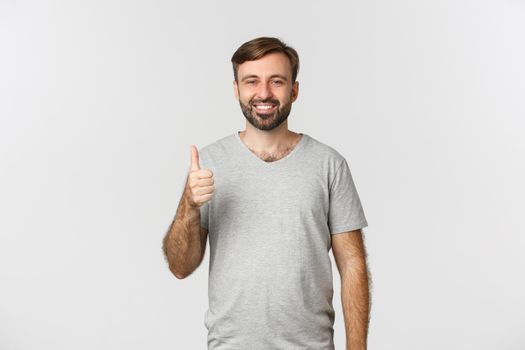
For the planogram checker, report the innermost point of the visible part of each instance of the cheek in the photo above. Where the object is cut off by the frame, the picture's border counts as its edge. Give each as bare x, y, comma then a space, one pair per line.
246, 96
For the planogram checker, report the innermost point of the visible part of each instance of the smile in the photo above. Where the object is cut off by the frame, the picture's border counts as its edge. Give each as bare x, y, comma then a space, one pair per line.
265, 108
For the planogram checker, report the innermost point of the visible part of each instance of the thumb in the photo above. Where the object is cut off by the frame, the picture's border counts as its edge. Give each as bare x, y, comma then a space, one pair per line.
194, 158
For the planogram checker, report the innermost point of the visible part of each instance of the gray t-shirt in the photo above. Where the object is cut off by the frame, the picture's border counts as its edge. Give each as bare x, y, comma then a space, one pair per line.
270, 227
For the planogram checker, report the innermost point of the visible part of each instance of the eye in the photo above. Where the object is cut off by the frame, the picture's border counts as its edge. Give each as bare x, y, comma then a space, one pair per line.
250, 81
278, 82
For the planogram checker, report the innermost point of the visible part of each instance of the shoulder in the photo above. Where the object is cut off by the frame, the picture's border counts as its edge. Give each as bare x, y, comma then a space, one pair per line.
217, 148
325, 153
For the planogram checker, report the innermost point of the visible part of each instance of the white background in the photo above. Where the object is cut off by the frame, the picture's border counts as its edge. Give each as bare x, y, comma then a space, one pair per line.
100, 100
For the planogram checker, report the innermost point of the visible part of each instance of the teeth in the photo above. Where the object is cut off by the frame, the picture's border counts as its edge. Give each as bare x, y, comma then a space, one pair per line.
263, 107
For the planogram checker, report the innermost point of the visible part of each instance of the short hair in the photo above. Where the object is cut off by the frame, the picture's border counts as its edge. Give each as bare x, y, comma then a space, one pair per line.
258, 47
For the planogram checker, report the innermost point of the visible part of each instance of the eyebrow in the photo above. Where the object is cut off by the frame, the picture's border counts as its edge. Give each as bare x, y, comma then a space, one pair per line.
272, 76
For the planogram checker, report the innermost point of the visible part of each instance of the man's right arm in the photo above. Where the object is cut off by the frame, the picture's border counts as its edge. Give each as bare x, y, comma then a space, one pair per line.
185, 243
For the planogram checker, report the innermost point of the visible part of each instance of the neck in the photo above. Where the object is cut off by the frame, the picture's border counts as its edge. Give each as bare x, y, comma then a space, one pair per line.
270, 141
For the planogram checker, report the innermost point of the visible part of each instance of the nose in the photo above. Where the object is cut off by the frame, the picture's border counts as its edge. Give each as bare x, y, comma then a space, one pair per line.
264, 91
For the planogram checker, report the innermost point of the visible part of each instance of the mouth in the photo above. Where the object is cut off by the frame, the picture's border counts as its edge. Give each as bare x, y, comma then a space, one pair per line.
264, 108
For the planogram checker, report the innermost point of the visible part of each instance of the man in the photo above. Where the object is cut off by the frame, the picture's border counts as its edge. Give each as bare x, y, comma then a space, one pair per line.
273, 202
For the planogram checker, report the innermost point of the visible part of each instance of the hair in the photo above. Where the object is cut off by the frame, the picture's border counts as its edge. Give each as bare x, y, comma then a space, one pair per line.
258, 47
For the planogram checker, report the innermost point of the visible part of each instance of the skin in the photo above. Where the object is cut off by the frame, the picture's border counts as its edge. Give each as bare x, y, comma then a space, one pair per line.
268, 80
350, 257
185, 242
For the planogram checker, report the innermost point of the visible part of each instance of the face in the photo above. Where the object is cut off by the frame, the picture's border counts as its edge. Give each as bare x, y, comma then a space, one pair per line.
265, 91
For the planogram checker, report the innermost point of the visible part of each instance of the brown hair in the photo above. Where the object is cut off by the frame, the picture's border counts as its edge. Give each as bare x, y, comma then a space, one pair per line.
258, 47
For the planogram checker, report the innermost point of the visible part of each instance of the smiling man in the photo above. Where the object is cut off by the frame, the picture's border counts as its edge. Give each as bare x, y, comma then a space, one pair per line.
273, 203
266, 104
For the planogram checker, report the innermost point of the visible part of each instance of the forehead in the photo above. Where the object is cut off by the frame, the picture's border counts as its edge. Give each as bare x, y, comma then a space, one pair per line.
272, 63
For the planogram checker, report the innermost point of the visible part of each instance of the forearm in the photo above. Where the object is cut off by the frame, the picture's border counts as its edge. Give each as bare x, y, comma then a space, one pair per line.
355, 296
182, 244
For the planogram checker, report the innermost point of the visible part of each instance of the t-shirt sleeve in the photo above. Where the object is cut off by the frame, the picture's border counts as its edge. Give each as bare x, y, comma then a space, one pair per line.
205, 208
345, 210
204, 212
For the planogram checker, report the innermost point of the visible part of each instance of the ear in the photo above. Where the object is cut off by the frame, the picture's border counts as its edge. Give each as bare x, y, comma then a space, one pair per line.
295, 90
236, 89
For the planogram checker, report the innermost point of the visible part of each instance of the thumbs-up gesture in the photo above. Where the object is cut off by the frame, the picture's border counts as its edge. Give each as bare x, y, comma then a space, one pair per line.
200, 181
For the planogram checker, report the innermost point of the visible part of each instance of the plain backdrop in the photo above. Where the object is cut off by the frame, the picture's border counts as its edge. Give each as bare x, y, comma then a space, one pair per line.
101, 100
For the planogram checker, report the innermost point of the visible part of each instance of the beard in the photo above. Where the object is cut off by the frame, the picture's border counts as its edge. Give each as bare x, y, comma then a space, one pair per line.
266, 121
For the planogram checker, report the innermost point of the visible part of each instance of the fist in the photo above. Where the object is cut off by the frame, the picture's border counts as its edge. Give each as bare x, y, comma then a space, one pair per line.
200, 182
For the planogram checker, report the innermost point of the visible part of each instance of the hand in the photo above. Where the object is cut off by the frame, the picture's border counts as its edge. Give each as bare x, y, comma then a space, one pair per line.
200, 182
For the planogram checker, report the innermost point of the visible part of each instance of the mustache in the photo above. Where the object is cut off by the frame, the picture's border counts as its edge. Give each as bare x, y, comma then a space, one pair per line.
275, 102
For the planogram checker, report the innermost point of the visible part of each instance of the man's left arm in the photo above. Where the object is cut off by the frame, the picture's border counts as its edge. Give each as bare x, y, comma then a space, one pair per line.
350, 256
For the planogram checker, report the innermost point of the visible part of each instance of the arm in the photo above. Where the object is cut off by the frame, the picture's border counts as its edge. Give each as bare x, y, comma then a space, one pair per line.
350, 256
185, 243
